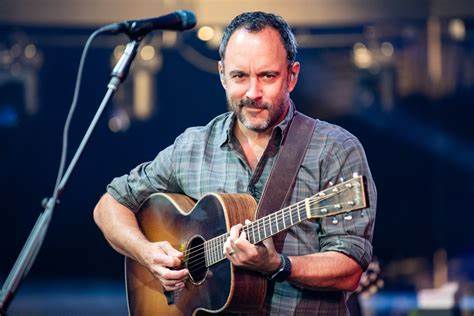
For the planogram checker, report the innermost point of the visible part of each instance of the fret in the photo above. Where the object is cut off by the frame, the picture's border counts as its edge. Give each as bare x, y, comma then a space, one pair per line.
291, 215
253, 233
281, 220
307, 208
218, 251
258, 230
298, 211
303, 214
286, 218
294, 219
220, 247
213, 251
270, 224
248, 234
206, 261
276, 221
265, 227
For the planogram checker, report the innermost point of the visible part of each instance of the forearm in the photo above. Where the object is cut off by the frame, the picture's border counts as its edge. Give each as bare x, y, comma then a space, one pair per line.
120, 227
326, 270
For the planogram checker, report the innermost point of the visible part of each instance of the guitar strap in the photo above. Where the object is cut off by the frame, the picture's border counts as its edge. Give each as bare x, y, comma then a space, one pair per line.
280, 184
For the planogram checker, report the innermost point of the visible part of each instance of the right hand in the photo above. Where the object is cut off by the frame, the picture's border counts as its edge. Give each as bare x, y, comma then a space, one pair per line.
163, 261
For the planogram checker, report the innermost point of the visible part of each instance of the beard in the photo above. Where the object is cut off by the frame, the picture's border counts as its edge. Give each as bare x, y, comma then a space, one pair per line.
275, 112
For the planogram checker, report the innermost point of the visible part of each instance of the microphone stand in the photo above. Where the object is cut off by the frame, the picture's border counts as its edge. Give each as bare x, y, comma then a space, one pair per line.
33, 244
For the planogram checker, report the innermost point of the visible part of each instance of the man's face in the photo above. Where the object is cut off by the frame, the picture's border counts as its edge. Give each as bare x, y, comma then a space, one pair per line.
257, 79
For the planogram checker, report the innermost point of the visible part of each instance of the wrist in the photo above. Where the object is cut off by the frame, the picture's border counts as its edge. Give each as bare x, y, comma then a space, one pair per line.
283, 272
275, 263
143, 253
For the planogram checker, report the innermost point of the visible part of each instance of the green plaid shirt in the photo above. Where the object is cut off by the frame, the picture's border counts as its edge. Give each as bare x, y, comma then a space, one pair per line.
210, 159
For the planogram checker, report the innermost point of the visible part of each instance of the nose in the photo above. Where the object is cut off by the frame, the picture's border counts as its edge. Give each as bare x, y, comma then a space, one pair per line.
254, 90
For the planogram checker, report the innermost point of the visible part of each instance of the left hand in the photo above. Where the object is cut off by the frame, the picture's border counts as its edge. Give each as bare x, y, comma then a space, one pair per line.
262, 257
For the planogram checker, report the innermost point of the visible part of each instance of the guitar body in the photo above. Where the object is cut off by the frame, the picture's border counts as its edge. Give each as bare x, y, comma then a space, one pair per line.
185, 224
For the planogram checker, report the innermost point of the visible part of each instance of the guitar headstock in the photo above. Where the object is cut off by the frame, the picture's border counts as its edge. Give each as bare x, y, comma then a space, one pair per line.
341, 198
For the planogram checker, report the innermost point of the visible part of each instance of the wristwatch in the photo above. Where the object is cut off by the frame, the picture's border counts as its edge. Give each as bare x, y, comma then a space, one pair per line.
283, 271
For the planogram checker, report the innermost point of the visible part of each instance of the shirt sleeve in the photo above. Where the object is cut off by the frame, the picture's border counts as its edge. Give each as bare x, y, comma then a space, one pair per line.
350, 233
154, 176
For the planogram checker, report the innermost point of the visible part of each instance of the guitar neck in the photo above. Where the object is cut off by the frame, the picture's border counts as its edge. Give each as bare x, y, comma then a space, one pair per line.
341, 198
262, 228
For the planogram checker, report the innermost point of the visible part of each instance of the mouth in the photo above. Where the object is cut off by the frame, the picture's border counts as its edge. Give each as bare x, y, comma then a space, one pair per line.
255, 109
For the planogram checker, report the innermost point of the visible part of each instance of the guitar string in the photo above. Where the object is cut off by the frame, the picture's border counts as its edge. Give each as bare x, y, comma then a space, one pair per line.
284, 217
295, 205
199, 258
218, 240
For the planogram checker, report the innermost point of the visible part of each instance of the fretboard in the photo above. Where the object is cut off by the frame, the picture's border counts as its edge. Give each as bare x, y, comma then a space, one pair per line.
262, 228
341, 198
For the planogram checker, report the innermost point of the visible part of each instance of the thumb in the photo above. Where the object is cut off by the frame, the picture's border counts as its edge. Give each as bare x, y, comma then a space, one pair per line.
268, 243
170, 251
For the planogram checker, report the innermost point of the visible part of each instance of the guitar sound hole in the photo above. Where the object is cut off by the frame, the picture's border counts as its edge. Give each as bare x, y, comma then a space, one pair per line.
196, 260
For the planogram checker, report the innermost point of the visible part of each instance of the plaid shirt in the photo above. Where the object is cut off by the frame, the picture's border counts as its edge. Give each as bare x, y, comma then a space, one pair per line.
210, 159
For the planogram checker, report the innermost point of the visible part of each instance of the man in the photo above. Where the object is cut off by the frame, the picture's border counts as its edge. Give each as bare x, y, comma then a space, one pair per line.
235, 153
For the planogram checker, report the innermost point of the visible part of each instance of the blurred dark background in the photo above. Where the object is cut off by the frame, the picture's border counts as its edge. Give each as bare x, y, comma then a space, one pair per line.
398, 75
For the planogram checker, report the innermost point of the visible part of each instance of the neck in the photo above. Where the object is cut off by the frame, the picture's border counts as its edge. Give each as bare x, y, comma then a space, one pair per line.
245, 135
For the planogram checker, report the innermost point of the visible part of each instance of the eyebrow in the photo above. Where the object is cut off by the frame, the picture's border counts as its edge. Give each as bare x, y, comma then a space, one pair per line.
262, 73
237, 72
269, 72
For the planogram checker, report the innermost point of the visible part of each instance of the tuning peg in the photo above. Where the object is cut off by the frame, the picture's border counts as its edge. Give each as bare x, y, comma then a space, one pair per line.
355, 175
331, 183
335, 221
341, 179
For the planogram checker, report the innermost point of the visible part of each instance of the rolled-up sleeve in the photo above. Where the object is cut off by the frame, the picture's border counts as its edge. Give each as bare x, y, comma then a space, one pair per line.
351, 233
147, 178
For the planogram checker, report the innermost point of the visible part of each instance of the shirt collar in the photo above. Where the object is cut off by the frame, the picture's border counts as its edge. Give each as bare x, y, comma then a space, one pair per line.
278, 131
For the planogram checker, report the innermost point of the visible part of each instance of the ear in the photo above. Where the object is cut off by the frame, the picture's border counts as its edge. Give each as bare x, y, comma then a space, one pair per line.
294, 71
220, 66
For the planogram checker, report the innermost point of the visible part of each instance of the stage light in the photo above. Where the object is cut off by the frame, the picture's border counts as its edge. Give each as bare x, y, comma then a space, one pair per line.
362, 56
30, 51
118, 51
457, 29
387, 49
147, 52
205, 33
119, 122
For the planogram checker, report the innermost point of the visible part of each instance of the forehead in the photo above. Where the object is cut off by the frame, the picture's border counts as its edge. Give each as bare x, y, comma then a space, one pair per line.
263, 48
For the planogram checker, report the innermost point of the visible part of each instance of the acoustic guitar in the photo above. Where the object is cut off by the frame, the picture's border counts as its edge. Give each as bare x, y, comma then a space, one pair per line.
199, 229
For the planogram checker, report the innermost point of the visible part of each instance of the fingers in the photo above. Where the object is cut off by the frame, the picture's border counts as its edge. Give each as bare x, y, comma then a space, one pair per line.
234, 231
268, 243
161, 258
169, 274
171, 279
237, 248
166, 255
228, 248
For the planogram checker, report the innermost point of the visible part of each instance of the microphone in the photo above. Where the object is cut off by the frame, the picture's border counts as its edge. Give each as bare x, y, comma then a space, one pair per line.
180, 20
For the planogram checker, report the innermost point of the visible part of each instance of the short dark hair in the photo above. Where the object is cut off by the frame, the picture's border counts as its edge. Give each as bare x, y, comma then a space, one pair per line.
257, 21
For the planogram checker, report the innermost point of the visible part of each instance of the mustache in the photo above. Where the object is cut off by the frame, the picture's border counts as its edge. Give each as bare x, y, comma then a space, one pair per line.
252, 104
